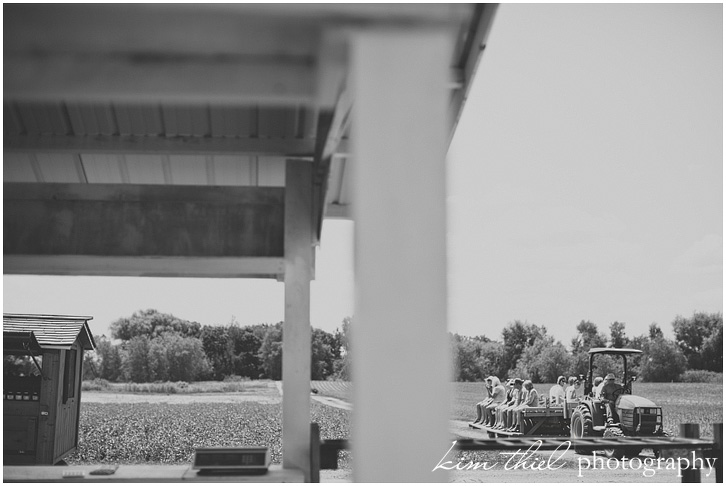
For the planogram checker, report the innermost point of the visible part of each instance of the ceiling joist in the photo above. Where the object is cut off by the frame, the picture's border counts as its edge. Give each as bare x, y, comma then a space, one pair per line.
134, 144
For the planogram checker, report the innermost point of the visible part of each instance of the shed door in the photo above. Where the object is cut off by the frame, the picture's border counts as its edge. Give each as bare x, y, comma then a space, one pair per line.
20, 434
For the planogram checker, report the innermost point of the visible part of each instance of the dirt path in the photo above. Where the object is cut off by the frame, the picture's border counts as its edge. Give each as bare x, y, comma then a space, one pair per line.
574, 467
266, 395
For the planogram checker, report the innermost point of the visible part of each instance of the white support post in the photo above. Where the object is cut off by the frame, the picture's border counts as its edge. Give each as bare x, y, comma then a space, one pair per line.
400, 349
296, 330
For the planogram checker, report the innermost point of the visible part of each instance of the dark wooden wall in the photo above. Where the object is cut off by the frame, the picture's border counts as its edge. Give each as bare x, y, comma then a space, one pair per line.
126, 220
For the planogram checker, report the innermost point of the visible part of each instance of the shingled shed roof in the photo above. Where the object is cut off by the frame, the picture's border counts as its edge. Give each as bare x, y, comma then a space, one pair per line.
52, 332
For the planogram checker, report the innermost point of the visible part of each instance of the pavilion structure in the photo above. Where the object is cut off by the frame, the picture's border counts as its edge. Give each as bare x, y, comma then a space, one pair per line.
212, 140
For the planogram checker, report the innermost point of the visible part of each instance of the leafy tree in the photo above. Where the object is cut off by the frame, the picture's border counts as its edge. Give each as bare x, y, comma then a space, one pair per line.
158, 360
216, 345
517, 336
270, 352
467, 353
321, 355
91, 364
136, 360
654, 331
544, 361
342, 364
185, 356
152, 323
701, 340
110, 366
618, 339
491, 359
662, 361
587, 337
244, 348
712, 351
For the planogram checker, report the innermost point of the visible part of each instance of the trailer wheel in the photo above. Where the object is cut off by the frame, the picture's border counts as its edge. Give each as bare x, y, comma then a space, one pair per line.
581, 425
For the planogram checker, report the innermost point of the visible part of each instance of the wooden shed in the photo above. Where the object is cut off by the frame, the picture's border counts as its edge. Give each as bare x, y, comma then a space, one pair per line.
42, 370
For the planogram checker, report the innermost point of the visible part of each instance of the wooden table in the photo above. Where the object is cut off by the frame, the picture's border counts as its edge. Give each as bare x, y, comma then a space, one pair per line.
143, 474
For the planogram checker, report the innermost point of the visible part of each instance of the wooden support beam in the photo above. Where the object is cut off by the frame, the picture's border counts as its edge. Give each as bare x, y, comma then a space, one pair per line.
299, 234
400, 346
163, 78
132, 144
93, 265
690, 474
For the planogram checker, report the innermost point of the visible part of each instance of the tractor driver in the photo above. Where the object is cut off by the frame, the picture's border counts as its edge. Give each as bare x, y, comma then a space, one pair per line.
608, 397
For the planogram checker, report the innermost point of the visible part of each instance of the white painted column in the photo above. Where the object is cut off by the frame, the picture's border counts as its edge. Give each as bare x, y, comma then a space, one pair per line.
296, 330
400, 349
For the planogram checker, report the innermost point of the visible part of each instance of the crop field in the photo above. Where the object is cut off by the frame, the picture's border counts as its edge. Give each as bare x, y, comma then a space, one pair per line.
167, 433
138, 433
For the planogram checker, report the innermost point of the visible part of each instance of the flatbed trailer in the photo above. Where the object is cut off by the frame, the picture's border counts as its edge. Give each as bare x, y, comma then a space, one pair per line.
544, 420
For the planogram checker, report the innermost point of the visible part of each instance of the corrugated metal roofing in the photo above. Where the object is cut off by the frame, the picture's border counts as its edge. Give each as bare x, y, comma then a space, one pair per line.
51, 330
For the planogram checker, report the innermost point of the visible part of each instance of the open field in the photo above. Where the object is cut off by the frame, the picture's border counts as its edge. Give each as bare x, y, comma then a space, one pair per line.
142, 427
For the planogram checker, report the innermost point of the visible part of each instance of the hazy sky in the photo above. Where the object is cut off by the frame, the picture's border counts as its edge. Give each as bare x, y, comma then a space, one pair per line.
585, 182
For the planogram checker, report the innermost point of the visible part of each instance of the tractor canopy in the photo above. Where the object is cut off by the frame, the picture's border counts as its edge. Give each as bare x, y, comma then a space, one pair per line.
614, 351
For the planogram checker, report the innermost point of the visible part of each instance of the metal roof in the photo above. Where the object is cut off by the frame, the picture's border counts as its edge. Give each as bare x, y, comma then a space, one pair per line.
123, 96
51, 331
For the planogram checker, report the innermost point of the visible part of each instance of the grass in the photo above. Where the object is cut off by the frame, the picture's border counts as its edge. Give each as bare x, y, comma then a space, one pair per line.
182, 387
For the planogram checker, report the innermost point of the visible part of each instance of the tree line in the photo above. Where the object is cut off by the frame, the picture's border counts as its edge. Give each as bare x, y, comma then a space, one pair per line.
151, 346
528, 351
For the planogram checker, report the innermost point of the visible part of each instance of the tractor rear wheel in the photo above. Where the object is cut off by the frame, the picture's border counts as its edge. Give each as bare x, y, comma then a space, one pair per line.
581, 425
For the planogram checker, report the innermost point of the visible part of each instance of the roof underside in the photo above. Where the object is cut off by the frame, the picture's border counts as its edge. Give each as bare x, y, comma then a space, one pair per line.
133, 95
50, 331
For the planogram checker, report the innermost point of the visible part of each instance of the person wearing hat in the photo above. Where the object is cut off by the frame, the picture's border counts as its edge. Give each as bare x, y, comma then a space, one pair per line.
608, 397
571, 392
557, 392
499, 395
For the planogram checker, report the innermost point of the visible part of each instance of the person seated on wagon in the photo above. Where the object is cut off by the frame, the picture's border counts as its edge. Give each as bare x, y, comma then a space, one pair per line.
557, 392
608, 397
509, 386
597, 386
517, 398
531, 400
571, 391
499, 394
481, 406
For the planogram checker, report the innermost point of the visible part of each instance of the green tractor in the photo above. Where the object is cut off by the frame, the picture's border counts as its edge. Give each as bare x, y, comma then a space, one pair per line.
636, 416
